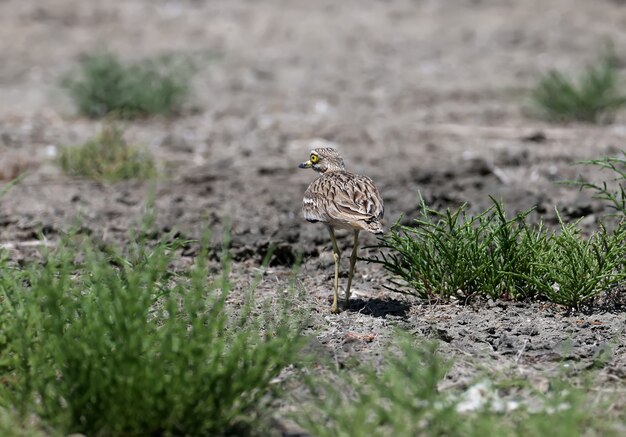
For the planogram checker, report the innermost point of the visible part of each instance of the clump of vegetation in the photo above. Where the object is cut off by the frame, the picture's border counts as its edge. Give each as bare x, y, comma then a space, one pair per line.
404, 400
105, 85
454, 254
107, 157
572, 269
119, 345
594, 98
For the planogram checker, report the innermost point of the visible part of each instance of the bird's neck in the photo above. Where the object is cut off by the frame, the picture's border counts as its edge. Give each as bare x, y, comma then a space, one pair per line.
334, 168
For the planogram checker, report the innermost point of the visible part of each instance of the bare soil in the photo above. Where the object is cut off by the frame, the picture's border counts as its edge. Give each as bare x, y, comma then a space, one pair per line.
422, 96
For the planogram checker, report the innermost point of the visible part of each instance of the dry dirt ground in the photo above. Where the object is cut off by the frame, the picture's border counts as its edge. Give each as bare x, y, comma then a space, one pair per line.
426, 96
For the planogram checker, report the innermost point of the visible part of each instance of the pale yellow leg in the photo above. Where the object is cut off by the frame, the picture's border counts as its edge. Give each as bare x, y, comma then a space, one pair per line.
351, 272
336, 257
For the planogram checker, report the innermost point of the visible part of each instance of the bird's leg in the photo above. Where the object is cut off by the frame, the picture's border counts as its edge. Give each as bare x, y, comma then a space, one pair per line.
351, 272
336, 257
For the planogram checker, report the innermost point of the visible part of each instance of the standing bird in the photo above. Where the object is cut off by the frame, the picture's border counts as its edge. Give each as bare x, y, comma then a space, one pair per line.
341, 200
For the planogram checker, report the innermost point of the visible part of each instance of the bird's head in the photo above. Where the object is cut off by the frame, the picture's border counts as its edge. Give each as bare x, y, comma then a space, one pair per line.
323, 160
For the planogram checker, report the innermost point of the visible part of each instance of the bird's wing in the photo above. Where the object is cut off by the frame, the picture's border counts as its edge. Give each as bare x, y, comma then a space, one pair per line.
359, 199
313, 207
342, 197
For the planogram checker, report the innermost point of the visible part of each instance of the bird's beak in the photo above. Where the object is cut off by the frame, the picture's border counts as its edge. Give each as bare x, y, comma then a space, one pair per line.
306, 164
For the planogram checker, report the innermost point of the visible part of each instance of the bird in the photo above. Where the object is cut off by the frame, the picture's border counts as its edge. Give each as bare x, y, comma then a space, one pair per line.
341, 200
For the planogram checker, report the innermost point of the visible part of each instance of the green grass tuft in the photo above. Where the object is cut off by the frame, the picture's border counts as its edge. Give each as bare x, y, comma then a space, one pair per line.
105, 86
107, 157
118, 345
594, 98
571, 270
454, 254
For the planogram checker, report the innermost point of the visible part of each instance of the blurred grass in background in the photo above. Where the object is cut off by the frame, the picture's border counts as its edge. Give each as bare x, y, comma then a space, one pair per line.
104, 85
594, 97
107, 157
405, 399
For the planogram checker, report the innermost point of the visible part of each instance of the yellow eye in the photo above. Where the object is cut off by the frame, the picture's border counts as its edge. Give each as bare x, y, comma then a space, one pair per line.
314, 158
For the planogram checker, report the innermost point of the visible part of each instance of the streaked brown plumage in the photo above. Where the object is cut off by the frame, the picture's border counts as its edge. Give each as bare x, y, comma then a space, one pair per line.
341, 200
345, 201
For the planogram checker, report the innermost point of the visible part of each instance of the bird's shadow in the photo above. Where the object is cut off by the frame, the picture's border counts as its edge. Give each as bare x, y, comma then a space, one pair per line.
377, 307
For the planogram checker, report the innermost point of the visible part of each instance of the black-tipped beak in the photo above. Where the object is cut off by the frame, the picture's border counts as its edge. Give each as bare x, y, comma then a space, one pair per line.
306, 164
